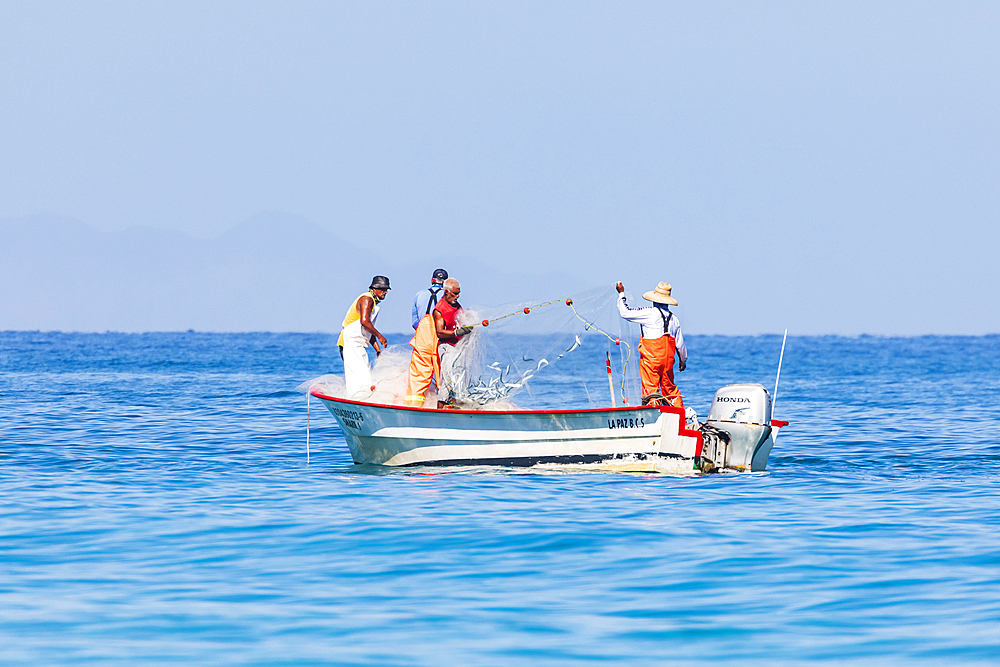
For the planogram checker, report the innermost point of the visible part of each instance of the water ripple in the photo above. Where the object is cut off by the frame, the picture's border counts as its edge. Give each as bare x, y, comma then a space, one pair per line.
158, 508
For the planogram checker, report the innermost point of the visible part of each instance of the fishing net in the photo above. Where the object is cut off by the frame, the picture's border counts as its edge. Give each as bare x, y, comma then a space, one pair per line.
559, 340
542, 353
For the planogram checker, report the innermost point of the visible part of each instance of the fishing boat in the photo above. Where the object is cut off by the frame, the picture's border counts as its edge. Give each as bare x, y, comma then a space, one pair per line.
738, 434
481, 427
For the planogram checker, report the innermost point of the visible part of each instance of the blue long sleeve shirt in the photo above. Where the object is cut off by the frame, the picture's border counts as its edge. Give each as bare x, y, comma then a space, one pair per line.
421, 301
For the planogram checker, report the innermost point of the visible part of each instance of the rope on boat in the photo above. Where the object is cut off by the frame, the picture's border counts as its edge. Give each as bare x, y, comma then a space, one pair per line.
589, 325
525, 310
616, 341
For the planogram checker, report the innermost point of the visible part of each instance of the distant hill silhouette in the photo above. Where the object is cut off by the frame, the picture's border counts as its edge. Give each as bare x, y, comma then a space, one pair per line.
273, 272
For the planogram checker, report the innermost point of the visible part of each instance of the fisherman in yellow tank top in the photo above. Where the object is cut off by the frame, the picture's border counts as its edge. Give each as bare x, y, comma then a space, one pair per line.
358, 330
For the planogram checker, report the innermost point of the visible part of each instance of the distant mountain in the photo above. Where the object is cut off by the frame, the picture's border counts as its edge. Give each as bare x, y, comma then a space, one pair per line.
273, 272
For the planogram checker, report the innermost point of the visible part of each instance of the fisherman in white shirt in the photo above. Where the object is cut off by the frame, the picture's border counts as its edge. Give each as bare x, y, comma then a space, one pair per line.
661, 341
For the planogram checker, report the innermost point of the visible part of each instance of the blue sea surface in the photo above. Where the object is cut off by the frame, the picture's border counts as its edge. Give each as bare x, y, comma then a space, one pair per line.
157, 508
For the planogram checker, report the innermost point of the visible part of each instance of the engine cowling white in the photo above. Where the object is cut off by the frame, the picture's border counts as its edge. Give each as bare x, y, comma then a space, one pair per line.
743, 412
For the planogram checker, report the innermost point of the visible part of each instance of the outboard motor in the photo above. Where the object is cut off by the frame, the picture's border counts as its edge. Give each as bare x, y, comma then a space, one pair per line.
738, 430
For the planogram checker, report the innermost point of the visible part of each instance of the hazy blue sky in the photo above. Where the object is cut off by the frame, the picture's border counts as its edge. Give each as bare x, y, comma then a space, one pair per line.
830, 167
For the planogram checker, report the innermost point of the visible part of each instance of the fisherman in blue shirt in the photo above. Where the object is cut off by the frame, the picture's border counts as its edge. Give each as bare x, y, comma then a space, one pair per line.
425, 300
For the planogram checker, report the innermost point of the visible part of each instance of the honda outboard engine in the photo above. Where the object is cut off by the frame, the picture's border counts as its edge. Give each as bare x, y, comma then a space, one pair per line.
738, 430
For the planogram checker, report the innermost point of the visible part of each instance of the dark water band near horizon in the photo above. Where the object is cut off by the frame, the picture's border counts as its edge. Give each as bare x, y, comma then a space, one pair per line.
157, 508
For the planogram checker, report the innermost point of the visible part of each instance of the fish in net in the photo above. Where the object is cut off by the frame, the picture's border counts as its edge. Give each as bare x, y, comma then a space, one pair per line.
511, 345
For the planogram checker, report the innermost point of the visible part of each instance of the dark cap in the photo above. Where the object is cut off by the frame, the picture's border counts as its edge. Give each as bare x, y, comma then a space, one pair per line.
439, 276
380, 282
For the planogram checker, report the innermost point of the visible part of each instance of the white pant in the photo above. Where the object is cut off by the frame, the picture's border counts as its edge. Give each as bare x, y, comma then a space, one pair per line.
357, 374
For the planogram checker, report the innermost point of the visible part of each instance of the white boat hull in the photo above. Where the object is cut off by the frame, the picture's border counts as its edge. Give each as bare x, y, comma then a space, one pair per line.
400, 436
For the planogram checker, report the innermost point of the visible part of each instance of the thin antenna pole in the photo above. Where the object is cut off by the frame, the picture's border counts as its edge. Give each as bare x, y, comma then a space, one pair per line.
308, 396
774, 399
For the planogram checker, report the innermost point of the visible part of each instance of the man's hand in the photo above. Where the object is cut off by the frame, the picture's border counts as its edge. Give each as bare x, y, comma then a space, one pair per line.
683, 365
619, 287
382, 340
463, 331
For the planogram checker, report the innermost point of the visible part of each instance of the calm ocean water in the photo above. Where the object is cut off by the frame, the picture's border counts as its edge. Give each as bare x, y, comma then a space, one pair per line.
157, 508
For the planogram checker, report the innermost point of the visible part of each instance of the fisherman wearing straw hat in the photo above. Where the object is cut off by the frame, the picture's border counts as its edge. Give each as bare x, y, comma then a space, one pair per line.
661, 340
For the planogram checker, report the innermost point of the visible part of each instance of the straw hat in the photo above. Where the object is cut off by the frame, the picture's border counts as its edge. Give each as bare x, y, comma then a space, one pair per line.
661, 295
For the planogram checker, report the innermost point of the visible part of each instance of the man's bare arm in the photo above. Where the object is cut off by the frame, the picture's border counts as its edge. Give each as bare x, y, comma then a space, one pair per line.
439, 326
365, 305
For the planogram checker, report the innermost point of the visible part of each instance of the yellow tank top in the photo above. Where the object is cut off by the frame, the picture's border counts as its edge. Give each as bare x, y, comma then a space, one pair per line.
353, 315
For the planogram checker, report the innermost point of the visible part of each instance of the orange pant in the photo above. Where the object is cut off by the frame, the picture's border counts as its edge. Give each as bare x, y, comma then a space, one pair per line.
656, 369
424, 362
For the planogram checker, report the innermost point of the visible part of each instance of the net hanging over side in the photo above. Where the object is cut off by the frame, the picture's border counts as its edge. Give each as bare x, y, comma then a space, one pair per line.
565, 339
512, 344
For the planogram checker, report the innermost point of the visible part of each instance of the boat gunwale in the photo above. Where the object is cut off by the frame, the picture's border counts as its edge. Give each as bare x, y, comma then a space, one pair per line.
682, 429
660, 408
